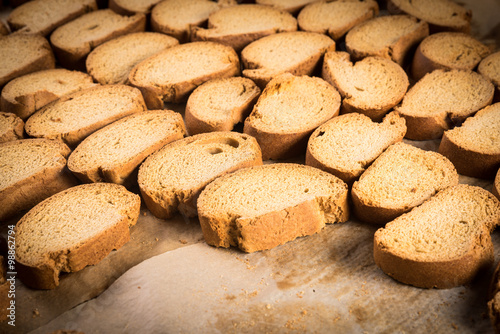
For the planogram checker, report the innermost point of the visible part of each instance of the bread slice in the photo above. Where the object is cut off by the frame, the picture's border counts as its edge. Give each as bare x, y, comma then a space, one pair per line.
219, 104
238, 26
263, 207
391, 37
298, 53
111, 62
442, 243
171, 75
336, 18
131, 7
400, 179
36, 51
171, 179
29, 93
291, 6
447, 50
371, 86
489, 67
113, 153
73, 41
177, 18
75, 116
11, 127
496, 185
32, 170
288, 111
346, 145
43, 16
443, 99
474, 147
442, 15
73, 229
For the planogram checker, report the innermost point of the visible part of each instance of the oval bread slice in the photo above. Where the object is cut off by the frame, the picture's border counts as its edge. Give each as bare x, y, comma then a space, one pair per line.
489, 67
263, 207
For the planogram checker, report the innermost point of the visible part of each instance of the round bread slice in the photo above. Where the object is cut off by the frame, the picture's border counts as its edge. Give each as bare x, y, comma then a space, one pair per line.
11, 127
73, 229
447, 50
131, 7
219, 104
171, 179
489, 67
442, 243
113, 153
298, 53
443, 99
400, 179
371, 86
389, 37
111, 62
29, 93
75, 116
474, 147
263, 207
32, 170
291, 6
238, 26
171, 75
336, 18
289, 109
346, 145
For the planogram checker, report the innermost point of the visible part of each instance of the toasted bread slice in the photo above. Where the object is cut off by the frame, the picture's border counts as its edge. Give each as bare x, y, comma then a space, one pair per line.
401, 178
131, 7
171, 179
289, 109
291, 6
391, 37
219, 104
474, 147
443, 99
298, 53
11, 127
336, 18
489, 67
371, 86
25, 95
111, 62
32, 170
442, 243
77, 115
238, 26
263, 207
73, 229
346, 145
171, 75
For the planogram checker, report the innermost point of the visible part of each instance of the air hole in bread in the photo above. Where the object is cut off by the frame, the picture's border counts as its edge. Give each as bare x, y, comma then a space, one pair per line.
224, 141
214, 150
93, 27
306, 190
321, 133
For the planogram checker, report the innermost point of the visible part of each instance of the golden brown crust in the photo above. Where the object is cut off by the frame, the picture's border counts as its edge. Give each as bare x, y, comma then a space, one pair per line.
11, 127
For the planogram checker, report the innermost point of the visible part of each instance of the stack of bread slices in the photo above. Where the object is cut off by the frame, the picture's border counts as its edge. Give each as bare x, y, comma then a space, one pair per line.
295, 117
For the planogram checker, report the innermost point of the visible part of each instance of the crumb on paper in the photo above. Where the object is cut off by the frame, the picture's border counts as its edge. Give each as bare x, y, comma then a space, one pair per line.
183, 241
36, 313
144, 213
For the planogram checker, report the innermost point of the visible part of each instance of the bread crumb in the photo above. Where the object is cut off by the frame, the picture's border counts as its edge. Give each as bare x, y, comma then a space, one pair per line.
138, 287
182, 241
144, 213
454, 326
156, 239
36, 313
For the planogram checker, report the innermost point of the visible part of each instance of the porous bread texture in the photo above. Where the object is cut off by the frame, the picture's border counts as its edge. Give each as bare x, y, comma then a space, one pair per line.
171, 179
177, 18
75, 116
73, 229
441, 100
496, 185
494, 300
219, 104
171, 75
442, 15
263, 207
442, 243
289, 109
474, 147
291, 6
131, 7
447, 50
113, 153
73, 41
400, 179
36, 51
32, 170
111, 62
43, 16
489, 67
11, 127
298, 53
25, 95
346, 145
389, 37
336, 18
371, 86
238, 26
